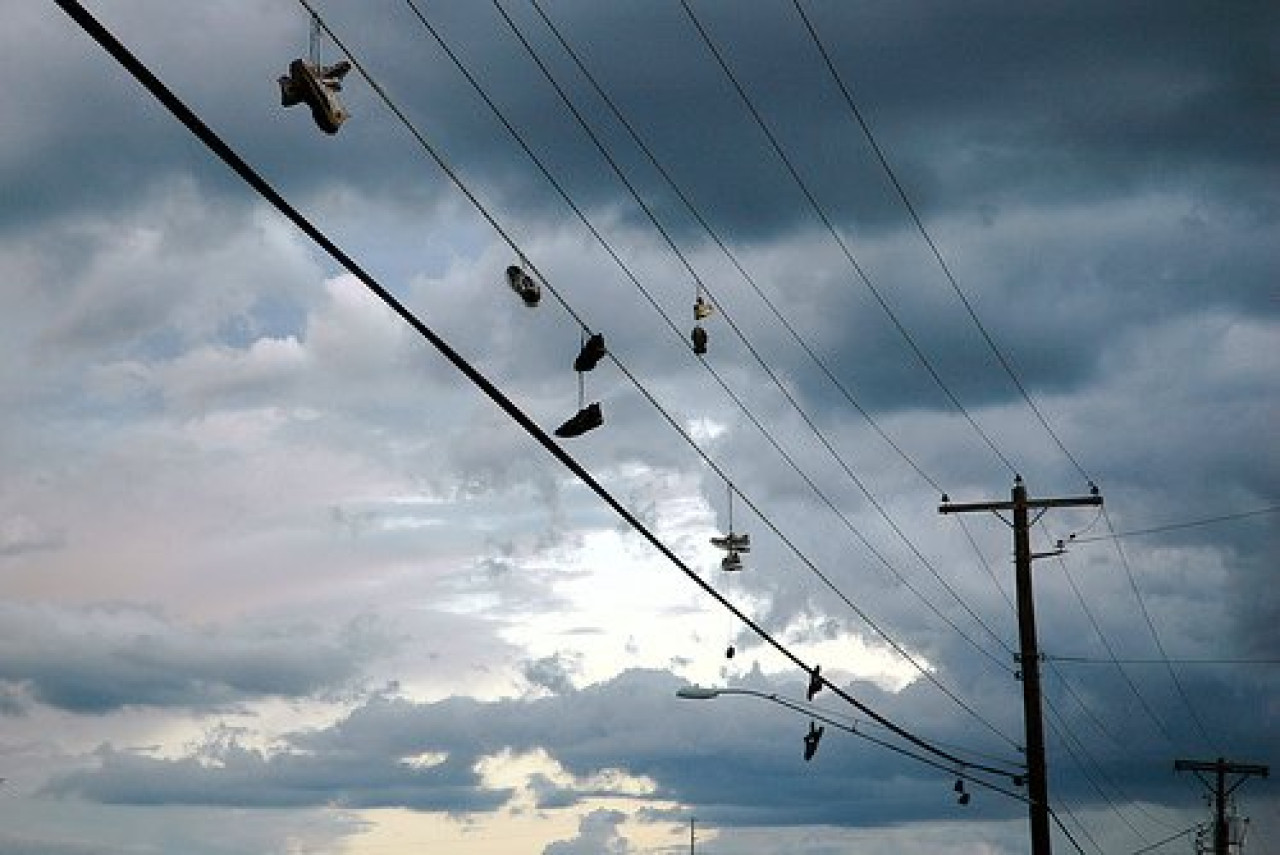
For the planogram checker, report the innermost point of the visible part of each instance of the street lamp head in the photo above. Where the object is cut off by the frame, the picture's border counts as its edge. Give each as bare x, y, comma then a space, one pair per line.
697, 693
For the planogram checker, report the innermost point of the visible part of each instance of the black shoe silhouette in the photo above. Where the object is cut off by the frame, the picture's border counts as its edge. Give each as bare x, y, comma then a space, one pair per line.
522, 283
699, 340
591, 354
588, 418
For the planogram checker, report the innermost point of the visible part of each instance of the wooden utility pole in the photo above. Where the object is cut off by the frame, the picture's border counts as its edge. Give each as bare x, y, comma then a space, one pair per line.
1221, 769
1028, 651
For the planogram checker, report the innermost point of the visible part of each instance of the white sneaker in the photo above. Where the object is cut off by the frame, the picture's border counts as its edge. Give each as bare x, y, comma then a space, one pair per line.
733, 542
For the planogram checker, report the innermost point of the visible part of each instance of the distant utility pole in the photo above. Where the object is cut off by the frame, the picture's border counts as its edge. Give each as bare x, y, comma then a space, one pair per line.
1028, 652
1221, 769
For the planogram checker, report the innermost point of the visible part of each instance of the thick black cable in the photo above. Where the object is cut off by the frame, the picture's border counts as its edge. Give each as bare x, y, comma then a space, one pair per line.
777, 381
224, 152
827, 717
925, 672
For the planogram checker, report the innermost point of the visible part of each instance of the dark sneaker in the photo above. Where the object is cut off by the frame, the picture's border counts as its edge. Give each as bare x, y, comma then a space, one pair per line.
326, 109
289, 94
591, 354
731, 562
701, 309
522, 283
699, 340
733, 542
815, 682
811, 741
588, 418
332, 74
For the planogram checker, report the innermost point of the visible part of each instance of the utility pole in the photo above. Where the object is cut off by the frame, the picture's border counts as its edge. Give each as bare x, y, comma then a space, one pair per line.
1028, 652
1221, 769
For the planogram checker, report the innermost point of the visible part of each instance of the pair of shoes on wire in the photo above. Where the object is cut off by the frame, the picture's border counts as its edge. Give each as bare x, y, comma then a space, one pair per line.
317, 86
733, 542
587, 418
593, 350
699, 337
524, 285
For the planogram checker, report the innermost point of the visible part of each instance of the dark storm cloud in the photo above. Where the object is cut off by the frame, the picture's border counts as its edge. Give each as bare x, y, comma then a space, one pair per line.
101, 659
978, 105
712, 754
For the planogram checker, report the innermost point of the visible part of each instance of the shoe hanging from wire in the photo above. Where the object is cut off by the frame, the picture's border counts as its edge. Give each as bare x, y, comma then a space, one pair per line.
589, 417
317, 85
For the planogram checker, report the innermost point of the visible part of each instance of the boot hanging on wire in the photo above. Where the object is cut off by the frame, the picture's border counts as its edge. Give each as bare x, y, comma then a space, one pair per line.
317, 85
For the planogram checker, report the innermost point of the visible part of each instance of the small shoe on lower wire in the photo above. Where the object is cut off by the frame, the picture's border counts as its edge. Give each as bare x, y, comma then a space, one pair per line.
591, 354
588, 418
522, 283
699, 340
733, 542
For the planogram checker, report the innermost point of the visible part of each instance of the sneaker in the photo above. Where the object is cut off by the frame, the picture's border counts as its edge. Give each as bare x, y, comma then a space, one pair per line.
733, 542
701, 309
811, 740
731, 562
289, 94
699, 340
333, 74
592, 352
522, 283
815, 682
588, 418
326, 109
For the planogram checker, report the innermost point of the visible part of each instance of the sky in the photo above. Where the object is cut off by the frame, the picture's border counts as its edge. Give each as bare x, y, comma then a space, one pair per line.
276, 577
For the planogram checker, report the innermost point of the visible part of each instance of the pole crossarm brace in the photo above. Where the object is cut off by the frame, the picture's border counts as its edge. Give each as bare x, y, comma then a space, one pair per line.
1028, 652
1221, 769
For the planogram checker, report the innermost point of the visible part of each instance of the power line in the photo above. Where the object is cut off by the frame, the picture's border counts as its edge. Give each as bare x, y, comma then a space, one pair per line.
842, 243
1166, 841
841, 462
1088, 660
723, 247
224, 152
1160, 529
928, 239
1146, 616
875, 502
925, 672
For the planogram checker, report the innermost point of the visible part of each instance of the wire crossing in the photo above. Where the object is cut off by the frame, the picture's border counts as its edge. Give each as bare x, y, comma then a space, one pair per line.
232, 160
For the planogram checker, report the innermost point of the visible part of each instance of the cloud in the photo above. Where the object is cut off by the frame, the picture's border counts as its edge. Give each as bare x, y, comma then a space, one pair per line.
597, 833
215, 429
105, 658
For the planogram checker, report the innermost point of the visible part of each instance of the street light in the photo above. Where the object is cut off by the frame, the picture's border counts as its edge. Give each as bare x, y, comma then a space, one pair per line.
707, 693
